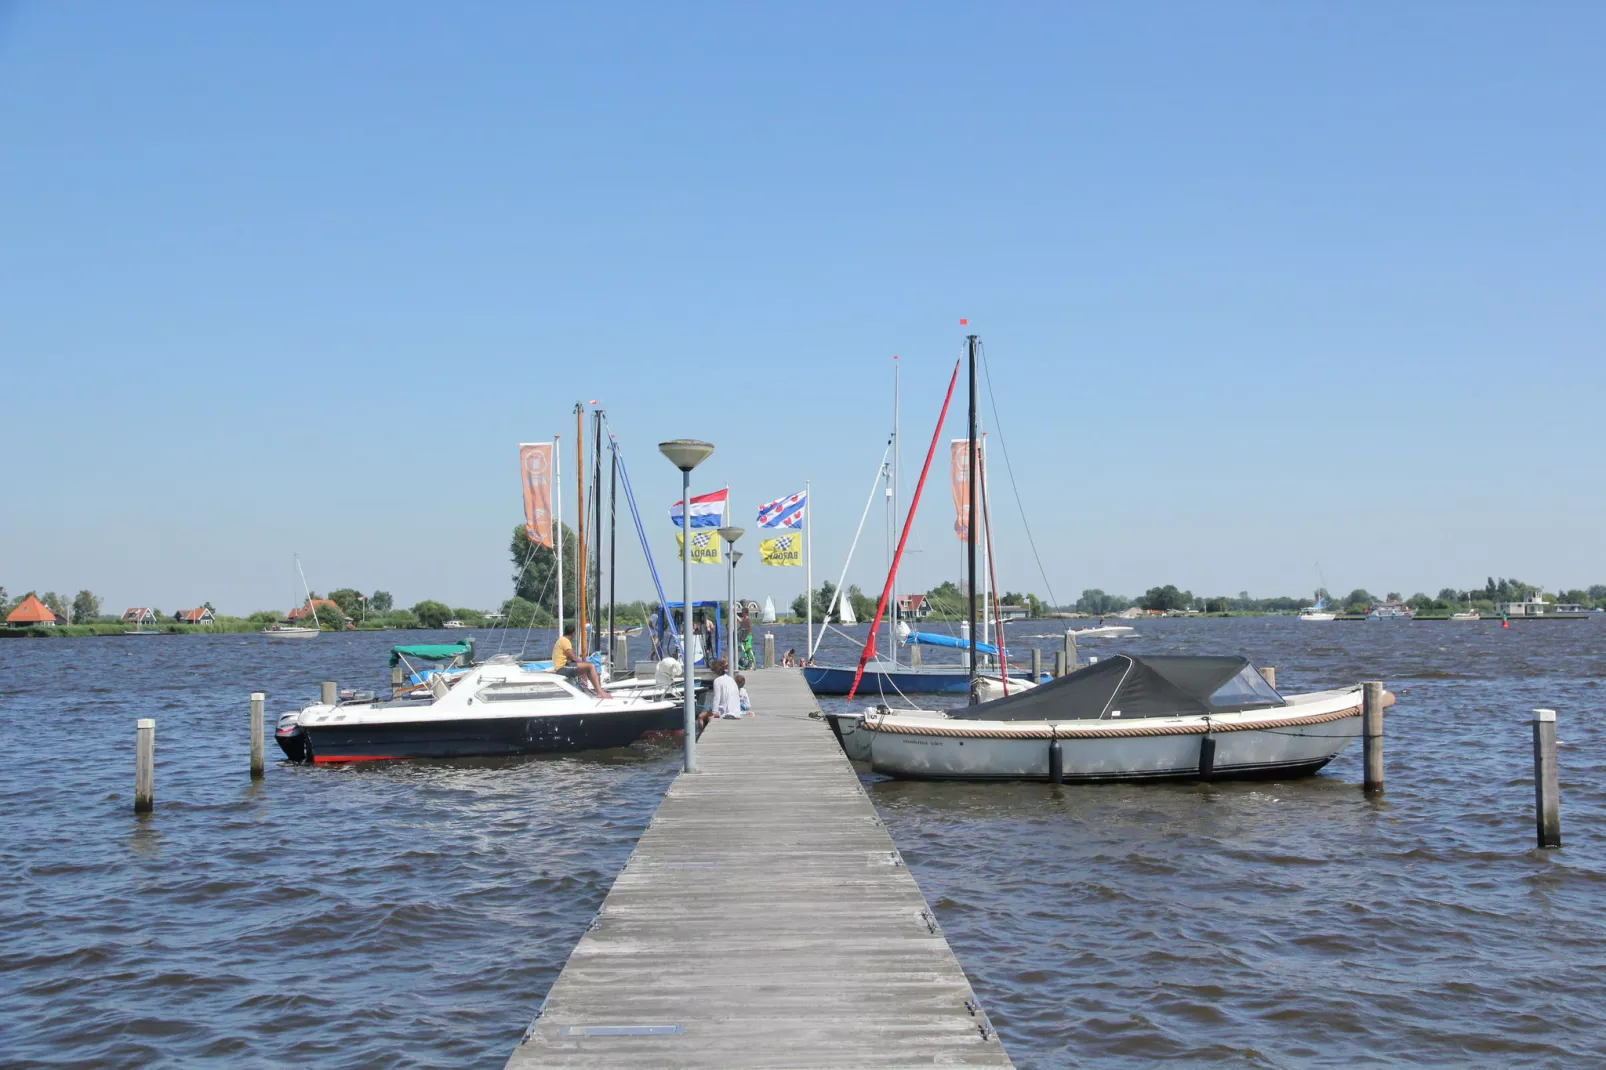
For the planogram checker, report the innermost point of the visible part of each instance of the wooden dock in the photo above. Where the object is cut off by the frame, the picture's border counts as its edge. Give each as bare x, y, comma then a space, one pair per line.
765, 919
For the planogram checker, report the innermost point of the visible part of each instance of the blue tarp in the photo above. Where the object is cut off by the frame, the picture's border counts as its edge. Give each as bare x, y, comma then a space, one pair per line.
936, 639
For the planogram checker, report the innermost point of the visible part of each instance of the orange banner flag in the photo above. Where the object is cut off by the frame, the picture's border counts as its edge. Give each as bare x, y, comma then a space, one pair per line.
959, 474
535, 462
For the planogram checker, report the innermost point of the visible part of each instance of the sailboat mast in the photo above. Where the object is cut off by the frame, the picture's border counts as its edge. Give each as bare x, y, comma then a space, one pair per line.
580, 528
613, 544
557, 521
596, 511
970, 520
892, 521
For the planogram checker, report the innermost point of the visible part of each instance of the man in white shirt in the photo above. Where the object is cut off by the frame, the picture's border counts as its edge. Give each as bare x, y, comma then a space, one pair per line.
725, 699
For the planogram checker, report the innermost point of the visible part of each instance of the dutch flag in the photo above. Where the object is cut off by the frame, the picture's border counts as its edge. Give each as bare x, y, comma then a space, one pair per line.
707, 510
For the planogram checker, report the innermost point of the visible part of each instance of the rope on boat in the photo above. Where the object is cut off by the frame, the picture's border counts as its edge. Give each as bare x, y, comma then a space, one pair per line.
1061, 731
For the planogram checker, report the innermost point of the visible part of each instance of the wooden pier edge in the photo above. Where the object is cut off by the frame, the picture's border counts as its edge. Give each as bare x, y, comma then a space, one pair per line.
764, 920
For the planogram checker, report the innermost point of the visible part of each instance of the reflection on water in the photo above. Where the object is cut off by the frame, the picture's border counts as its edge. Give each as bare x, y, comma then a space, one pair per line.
340, 916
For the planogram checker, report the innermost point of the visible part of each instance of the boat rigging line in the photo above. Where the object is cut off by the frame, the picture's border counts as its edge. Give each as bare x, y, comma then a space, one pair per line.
998, 429
903, 539
838, 594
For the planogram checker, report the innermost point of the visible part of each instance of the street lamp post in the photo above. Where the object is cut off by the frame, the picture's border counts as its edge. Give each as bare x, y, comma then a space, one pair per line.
736, 616
730, 535
686, 454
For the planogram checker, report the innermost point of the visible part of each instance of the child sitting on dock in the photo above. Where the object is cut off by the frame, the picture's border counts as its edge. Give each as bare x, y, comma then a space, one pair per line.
725, 698
744, 703
790, 660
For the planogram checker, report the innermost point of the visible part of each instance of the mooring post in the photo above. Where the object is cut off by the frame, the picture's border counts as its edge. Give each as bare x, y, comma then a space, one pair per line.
1037, 665
1059, 663
258, 700
621, 656
769, 650
329, 694
1547, 780
916, 659
1269, 674
1372, 734
144, 765
396, 677
1070, 652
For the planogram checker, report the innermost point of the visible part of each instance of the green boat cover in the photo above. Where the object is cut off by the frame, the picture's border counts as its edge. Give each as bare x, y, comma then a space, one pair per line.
434, 651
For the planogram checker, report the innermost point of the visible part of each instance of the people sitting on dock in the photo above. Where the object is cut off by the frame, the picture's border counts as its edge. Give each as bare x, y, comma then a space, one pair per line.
745, 703
790, 660
565, 664
725, 699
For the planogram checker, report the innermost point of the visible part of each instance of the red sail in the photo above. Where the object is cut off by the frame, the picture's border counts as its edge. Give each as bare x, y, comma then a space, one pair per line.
908, 522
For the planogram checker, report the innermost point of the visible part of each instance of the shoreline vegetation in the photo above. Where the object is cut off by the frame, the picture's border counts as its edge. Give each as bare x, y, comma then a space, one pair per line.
533, 605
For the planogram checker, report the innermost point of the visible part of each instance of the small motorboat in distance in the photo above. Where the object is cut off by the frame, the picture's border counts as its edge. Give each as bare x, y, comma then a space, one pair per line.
1126, 718
498, 708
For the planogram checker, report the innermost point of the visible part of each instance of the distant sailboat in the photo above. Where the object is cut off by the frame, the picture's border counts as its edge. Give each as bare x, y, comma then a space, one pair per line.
845, 611
295, 631
769, 611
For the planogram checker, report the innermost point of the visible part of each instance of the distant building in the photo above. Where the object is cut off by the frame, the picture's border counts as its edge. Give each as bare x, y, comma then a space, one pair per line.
912, 607
323, 605
195, 616
1532, 605
30, 612
139, 615
1008, 612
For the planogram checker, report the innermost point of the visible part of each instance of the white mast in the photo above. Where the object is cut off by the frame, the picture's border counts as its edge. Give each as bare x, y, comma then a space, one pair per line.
557, 524
892, 522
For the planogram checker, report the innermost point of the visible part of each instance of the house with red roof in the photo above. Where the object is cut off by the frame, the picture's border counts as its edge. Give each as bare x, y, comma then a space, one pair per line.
31, 611
203, 615
327, 610
139, 615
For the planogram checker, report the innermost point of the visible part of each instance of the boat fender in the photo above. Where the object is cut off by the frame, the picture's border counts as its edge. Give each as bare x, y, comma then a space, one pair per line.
1207, 756
1056, 762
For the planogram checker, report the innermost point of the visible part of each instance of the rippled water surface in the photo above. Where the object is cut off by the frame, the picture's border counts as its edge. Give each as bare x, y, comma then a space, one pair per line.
414, 914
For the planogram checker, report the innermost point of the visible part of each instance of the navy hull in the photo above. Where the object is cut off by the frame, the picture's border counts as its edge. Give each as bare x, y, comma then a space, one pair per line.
477, 737
937, 680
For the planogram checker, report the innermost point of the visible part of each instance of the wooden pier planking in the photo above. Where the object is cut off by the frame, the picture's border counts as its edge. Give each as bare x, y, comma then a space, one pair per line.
765, 919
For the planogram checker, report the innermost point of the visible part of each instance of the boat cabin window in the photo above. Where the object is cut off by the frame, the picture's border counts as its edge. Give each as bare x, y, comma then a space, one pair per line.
503, 692
1247, 689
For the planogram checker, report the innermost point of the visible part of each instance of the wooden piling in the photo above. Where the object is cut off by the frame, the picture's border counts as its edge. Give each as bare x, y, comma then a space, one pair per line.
1070, 652
396, 677
769, 650
916, 659
144, 765
1059, 663
1547, 780
621, 656
329, 694
258, 701
1269, 674
1372, 734
1037, 664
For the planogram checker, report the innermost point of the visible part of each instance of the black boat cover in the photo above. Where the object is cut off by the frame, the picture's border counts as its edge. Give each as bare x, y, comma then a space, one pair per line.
1128, 685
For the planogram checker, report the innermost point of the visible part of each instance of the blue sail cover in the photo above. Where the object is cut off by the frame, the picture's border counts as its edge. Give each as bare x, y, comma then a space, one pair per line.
937, 639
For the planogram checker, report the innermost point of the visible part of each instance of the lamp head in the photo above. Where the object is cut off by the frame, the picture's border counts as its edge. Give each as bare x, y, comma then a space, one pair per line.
736, 558
686, 453
731, 534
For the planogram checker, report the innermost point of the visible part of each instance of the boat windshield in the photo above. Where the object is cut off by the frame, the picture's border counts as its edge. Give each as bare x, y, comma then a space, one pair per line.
1246, 690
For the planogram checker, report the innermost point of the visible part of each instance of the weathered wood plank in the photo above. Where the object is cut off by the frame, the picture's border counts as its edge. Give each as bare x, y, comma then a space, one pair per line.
764, 920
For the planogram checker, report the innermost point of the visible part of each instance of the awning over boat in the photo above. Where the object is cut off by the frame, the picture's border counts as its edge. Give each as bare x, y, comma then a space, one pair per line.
434, 651
938, 639
1137, 686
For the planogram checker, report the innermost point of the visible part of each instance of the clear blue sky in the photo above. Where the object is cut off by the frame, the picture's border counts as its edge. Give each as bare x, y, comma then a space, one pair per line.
1261, 285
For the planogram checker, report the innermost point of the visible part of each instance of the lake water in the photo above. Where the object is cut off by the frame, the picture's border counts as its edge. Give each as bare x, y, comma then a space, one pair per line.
414, 914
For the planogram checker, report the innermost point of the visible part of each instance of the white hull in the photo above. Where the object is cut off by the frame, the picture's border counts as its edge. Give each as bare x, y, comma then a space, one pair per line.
290, 633
1108, 631
1465, 616
1296, 739
1318, 616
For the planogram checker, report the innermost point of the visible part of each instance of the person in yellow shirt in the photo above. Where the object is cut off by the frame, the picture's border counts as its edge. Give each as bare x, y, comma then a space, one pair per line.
564, 663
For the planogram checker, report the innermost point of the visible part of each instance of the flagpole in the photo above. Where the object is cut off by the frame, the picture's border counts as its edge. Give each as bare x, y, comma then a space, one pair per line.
808, 569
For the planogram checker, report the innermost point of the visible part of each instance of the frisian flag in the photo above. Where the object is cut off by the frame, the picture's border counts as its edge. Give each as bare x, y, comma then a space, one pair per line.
707, 510
783, 512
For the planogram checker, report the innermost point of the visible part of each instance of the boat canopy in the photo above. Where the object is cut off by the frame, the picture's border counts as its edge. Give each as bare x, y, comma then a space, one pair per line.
938, 639
1129, 686
434, 651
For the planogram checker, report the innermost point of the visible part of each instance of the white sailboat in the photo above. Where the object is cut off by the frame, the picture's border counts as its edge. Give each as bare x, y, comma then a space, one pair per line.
844, 613
769, 611
296, 631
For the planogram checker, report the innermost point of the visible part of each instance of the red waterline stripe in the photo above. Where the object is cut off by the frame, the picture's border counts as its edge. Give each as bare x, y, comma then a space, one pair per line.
319, 758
